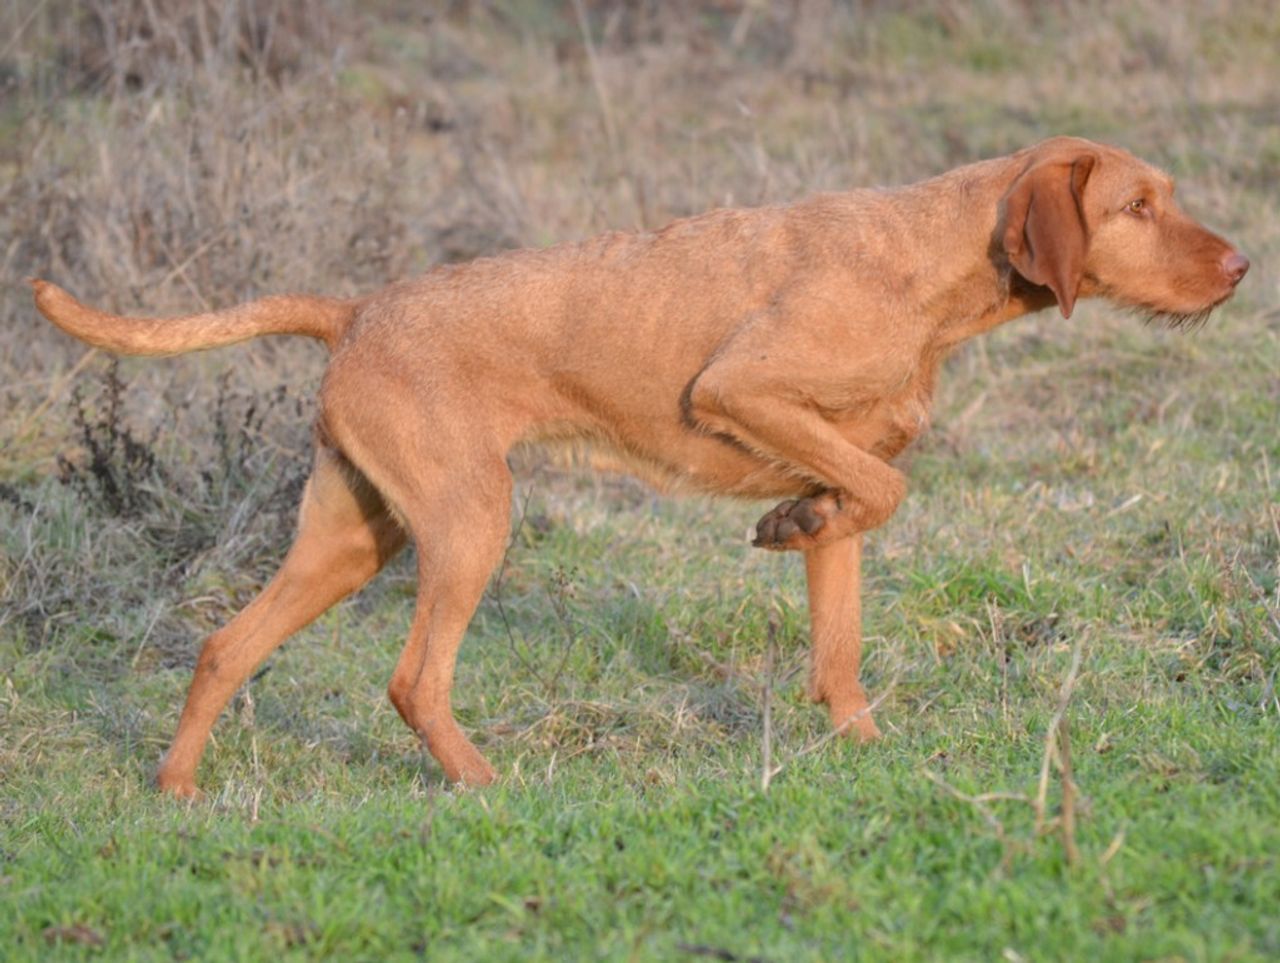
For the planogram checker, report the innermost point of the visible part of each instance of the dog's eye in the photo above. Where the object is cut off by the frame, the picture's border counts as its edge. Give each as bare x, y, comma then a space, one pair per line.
1136, 206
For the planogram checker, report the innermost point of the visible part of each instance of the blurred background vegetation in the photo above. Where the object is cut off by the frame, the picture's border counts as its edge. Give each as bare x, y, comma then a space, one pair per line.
1089, 483
162, 156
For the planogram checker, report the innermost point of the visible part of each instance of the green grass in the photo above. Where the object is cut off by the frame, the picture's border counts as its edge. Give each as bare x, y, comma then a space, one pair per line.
616, 832
1090, 487
602, 861
631, 822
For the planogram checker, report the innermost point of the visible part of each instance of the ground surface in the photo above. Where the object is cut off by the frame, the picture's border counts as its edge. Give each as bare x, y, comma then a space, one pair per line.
1093, 490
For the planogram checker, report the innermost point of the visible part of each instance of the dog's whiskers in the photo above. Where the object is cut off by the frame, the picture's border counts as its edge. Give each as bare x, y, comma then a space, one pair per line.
1187, 321
1190, 321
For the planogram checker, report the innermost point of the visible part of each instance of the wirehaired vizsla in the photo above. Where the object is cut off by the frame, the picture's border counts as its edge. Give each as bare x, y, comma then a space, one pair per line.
786, 351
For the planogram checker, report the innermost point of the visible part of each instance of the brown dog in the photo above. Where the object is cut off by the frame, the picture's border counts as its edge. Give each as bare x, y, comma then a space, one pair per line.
777, 352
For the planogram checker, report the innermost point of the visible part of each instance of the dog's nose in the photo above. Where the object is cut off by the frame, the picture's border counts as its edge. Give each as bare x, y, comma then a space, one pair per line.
1234, 266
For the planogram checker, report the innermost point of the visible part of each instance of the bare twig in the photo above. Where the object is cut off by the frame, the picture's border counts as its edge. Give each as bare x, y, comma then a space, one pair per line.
55, 392
1064, 697
1057, 747
814, 745
597, 79
549, 683
1002, 647
742, 26
137, 654
766, 748
1273, 514
495, 593
1114, 848
22, 27
1068, 794
619, 162
978, 802
561, 608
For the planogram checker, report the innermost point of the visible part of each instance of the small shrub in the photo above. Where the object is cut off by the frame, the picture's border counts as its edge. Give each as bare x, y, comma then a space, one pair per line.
119, 475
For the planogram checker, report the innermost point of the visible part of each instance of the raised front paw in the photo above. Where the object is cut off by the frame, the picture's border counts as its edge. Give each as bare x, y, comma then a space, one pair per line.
800, 524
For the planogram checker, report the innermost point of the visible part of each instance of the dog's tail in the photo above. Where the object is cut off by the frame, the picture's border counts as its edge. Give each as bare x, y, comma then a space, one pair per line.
325, 319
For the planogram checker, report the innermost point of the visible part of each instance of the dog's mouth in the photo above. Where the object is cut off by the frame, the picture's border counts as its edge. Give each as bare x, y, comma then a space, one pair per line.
1193, 320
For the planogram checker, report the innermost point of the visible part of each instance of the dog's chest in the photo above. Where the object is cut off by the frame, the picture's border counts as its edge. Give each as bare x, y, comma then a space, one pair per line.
891, 423
905, 420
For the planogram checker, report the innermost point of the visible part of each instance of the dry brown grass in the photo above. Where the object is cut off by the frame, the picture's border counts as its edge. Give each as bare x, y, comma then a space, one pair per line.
164, 156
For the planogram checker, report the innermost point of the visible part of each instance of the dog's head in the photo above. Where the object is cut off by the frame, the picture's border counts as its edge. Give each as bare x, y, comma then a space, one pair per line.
1087, 220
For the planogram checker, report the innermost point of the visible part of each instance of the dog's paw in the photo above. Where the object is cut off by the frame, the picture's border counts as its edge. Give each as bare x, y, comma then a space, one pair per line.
475, 772
855, 725
798, 524
461, 761
184, 789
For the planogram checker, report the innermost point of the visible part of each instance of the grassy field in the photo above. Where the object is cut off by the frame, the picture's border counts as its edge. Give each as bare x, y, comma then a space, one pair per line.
1092, 536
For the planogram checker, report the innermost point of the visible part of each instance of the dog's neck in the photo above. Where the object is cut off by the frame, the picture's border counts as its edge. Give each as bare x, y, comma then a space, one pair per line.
971, 266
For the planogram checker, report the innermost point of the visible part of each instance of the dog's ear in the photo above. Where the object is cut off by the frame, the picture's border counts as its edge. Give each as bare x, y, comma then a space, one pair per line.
1046, 235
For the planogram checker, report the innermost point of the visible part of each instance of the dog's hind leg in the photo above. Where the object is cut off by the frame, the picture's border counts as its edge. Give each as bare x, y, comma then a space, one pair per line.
438, 458
345, 535
460, 534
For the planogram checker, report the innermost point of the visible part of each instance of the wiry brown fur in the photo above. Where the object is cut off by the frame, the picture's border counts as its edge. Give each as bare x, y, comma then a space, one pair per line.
325, 319
786, 351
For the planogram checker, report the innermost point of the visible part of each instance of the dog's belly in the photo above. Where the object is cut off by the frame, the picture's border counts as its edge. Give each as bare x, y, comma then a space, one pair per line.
710, 464
690, 464
676, 457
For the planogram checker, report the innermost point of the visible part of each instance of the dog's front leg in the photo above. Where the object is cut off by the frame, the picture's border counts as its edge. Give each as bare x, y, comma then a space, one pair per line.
854, 491
835, 617
742, 396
